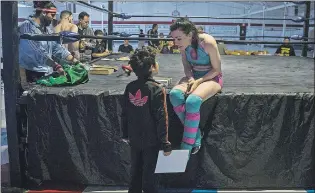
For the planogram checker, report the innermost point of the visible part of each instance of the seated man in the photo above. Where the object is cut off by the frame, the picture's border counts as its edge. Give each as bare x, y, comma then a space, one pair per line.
222, 48
200, 30
126, 48
141, 42
100, 47
170, 48
66, 24
285, 49
173, 48
162, 43
86, 44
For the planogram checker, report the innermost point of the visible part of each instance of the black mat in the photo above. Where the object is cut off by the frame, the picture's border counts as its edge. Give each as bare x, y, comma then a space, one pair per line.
261, 139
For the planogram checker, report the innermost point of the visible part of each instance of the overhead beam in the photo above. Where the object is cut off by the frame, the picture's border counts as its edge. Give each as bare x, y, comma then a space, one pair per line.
268, 9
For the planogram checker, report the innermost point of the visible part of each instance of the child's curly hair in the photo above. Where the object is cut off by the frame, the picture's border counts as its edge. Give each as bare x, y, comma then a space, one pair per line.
142, 60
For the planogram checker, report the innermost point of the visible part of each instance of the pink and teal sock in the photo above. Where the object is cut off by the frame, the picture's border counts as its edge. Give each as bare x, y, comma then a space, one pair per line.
177, 98
192, 136
188, 113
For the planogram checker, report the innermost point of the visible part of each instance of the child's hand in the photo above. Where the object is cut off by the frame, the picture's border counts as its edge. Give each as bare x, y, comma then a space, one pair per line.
167, 148
167, 153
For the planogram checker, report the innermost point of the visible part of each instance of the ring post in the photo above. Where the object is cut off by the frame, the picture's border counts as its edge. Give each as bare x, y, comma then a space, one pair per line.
110, 23
284, 19
263, 26
11, 80
306, 26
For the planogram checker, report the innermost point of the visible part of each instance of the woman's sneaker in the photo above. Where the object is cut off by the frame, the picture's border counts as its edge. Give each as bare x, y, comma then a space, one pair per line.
195, 150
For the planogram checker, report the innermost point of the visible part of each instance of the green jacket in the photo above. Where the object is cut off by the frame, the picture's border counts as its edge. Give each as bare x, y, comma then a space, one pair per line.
75, 75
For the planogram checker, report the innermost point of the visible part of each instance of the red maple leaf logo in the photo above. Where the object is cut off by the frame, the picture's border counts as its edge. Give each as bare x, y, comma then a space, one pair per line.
137, 100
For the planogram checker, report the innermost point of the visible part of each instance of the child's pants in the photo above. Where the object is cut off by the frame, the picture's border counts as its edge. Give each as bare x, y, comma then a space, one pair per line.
143, 163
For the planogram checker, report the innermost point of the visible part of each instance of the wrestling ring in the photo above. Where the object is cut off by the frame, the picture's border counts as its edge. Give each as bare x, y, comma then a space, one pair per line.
259, 131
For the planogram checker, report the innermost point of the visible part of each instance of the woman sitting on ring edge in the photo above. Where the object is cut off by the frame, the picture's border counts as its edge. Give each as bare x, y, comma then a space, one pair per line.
202, 67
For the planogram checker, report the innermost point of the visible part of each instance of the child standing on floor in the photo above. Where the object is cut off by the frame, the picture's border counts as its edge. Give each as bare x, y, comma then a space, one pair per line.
145, 122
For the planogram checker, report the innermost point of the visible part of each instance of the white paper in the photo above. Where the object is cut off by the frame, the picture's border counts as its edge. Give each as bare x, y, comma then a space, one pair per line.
174, 163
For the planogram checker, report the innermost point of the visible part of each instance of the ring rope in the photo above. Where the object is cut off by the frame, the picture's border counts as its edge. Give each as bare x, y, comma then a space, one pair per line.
293, 37
75, 37
296, 19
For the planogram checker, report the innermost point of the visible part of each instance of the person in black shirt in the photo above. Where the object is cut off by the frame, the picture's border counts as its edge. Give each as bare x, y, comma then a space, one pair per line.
141, 35
153, 33
163, 44
105, 34
100, 48
200, 30
173, 48
141, 42
285, 49
126, 48
145, 122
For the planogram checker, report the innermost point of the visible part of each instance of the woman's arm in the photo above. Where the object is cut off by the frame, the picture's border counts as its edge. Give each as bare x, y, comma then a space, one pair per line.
187, 66
211, 47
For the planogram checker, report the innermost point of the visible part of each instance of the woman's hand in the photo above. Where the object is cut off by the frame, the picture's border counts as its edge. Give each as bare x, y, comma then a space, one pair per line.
192, 85
189, 84
190, 80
